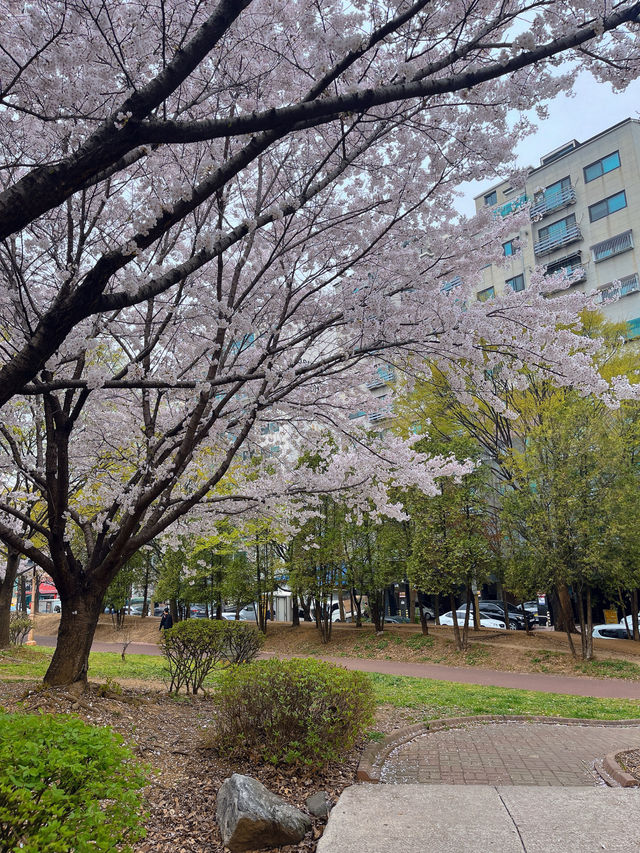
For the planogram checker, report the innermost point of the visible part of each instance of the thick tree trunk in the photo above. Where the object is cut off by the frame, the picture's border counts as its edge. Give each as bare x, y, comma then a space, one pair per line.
565, 620
476, 612
424, 623
436, 608
376, 605
295, 608
413, 592
634, 615
6, 593
70, 662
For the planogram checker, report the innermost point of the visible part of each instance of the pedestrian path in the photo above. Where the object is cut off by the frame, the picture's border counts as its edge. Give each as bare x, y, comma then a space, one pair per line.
509, 753
483, 819
598, 688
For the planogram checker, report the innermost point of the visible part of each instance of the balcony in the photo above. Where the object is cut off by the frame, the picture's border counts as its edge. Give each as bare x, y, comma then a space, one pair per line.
573, 269
450, 285
625, 286
381, 415
560, 238
511, 206
385, 375
551, 202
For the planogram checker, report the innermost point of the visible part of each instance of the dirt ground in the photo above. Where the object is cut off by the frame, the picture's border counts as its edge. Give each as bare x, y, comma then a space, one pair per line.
167, 735
513, 651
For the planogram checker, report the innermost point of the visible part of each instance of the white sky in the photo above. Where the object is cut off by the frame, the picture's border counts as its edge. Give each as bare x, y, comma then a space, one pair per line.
594, 108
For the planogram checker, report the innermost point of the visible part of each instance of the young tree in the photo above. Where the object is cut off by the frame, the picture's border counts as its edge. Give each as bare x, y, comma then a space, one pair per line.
452, 535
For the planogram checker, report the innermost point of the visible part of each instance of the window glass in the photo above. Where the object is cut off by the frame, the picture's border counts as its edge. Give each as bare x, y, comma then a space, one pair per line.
491, 198
558, 228
601, 167
485, 294
608, 205
516, 283
508, 248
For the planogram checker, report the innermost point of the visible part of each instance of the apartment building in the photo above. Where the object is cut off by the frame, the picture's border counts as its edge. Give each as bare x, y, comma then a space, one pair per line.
584, 216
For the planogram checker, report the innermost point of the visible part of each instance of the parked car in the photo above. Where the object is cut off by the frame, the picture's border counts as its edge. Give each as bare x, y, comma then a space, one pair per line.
198, 611
622, 631
246, 614
494, 610
397, 620
515, 613
485, 622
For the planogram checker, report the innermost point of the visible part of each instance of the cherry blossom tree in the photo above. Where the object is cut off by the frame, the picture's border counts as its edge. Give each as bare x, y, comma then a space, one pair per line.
216, 216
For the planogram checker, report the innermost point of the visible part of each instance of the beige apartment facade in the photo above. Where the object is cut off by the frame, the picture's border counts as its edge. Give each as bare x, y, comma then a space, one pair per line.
584, 219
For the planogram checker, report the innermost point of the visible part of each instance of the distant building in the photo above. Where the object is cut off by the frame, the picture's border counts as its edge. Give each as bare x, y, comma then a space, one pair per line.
585, 216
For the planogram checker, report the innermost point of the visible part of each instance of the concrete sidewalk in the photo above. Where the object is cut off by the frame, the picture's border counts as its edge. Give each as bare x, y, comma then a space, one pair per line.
483, 819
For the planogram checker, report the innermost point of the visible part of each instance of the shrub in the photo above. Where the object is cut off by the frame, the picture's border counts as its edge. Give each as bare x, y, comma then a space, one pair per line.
242, 643
65, 786
19, 627
293, 712
193, 647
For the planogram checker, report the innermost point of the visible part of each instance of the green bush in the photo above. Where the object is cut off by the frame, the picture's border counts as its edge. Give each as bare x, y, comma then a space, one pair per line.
65, 786
302, 713
19, 627
242, 642
193, 647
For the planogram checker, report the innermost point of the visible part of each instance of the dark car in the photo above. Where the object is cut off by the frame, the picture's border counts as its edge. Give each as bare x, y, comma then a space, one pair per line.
516, 616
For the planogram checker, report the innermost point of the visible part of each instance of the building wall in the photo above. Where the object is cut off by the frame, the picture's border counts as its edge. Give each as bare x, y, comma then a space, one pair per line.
574, 201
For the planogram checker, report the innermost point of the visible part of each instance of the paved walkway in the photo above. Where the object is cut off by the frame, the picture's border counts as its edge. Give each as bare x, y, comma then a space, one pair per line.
483, 819
507, 754
598, 688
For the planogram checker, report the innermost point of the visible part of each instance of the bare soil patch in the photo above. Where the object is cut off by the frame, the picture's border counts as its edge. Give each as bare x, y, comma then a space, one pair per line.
166, 734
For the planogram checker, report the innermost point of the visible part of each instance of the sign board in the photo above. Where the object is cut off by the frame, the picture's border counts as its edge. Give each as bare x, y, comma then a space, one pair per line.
611, 617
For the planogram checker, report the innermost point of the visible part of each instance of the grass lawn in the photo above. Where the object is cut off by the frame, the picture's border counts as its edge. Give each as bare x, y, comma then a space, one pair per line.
430, 699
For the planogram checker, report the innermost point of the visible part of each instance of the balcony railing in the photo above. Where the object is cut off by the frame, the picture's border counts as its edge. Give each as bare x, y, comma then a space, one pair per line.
625, 286
553, 201
384, 376
577, 272
557, 240
511, 206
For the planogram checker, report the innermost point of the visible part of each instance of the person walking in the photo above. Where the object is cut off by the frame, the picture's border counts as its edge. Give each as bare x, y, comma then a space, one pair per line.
166, 621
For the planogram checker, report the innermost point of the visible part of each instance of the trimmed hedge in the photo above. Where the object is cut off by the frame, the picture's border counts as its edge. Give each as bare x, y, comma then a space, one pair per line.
300, 712
192, 648
65, 786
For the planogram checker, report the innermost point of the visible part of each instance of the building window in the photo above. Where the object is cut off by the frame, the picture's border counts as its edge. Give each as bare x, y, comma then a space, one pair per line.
557, 230
633, 327
509, 248
608, 205
601, 167
491, 198
613, 246
625, 286
516, 283
487, 293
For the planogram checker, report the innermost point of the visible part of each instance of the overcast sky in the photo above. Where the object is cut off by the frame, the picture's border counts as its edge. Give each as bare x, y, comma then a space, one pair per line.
593, 109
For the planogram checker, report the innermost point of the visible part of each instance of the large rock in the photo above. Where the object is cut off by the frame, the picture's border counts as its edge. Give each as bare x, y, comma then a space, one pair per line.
252, 818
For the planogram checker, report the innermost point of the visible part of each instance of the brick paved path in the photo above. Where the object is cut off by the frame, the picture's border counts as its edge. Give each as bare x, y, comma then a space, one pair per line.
507, 754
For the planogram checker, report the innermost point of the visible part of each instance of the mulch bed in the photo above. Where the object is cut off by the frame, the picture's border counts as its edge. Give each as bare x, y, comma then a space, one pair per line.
166, 734
631, 762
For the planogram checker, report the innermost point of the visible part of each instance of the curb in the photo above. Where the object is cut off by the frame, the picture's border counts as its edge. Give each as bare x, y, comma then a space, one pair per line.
375, 755
620, 776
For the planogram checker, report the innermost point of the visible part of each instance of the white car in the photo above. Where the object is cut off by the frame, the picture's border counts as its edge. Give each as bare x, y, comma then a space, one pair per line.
246, 614
485, 622
621, 631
